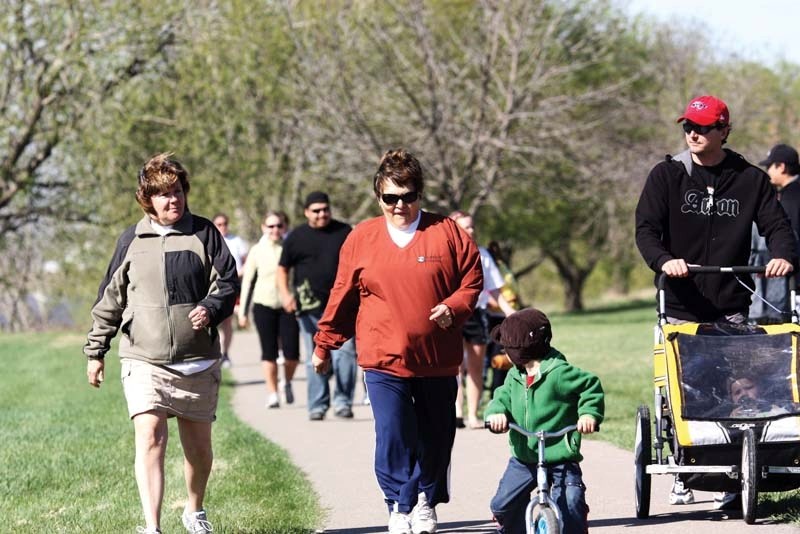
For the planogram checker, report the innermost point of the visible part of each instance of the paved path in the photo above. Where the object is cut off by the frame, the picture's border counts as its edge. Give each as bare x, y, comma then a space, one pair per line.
337, 457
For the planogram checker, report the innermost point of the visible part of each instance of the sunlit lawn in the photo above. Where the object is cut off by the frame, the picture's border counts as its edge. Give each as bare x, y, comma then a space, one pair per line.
66, 455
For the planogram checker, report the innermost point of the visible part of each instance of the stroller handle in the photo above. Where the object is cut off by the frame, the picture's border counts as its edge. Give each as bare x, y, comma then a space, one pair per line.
711, 269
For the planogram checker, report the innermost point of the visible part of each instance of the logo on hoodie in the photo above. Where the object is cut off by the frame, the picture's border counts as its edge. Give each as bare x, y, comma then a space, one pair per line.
698, 202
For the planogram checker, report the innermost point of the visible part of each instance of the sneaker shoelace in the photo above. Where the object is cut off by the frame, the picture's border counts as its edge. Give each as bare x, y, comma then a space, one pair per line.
200, 524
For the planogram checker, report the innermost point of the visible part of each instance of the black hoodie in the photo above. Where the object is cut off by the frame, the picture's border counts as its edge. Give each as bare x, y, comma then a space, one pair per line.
679, 218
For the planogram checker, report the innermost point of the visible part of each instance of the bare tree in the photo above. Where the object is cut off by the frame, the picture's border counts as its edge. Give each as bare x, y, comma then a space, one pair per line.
485, 93
58, 60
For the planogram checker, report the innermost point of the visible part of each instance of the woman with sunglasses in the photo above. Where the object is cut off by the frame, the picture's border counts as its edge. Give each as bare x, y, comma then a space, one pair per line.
277, 330
407, 281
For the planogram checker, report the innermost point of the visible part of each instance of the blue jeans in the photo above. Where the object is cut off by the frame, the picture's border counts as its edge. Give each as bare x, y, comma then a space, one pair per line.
566, 489
343, 369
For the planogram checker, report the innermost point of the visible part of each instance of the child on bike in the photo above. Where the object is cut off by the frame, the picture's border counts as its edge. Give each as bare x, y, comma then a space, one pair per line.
541, 392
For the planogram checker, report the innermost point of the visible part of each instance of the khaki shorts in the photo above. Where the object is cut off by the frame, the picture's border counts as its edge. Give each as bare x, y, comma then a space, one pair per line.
151, 387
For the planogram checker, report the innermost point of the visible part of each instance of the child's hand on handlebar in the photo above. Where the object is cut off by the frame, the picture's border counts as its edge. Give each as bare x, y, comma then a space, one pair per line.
497, 423
587, 424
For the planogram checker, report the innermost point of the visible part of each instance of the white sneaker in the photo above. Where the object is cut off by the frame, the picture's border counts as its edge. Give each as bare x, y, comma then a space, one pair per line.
273, 401
148, 530
423, 517
679, 494
196, 522
399, 523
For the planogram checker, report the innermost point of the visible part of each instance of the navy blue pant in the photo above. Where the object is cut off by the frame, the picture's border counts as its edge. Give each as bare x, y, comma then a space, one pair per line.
566, 489
415, 426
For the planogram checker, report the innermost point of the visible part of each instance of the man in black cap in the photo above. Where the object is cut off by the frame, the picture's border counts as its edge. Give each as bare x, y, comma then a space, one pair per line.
783, 167
311, 252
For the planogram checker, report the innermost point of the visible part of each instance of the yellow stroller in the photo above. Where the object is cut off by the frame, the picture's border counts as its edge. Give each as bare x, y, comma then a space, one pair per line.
726, 404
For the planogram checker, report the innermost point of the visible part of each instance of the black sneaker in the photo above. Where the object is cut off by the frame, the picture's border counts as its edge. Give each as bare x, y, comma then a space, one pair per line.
344, 412
316, 416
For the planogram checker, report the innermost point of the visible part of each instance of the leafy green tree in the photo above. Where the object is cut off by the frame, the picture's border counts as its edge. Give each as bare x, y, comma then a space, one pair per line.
58, 61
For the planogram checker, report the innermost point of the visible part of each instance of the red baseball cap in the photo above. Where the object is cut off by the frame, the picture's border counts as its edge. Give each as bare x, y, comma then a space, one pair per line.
705, 111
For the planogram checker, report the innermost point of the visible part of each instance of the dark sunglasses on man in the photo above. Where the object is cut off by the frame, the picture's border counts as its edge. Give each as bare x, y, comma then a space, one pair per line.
391, 199
689, 127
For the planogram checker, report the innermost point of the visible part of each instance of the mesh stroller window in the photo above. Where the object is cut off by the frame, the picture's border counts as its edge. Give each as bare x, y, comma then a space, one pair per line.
734, 377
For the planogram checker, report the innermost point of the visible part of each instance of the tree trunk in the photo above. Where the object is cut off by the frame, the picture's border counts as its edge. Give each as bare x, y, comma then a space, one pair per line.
573, 279
573, 294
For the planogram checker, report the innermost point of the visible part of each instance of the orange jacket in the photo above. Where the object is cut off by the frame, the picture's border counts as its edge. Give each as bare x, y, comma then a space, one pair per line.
383, 295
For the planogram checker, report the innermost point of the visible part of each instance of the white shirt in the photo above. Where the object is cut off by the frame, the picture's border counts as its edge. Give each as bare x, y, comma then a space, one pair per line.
492, 277
402, 237
239, 249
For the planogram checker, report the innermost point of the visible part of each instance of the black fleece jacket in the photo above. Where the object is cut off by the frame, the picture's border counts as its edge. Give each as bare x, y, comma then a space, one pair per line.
678, 217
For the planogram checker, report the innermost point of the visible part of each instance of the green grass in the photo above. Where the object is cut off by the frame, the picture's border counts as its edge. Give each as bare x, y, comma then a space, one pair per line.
66, 455
616, 344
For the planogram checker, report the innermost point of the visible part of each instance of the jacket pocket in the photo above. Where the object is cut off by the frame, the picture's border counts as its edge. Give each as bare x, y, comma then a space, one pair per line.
127, 329
125, 369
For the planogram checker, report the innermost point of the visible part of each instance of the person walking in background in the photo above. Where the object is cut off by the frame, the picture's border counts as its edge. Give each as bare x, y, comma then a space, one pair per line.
698, 208
238, 248
476, 329
495, 359
770, 304
170, 283
406, 283
276, 328
311, 253
783, 167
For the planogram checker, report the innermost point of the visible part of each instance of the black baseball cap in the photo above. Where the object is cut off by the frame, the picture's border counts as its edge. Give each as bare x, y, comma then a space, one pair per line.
781, 154
316, 197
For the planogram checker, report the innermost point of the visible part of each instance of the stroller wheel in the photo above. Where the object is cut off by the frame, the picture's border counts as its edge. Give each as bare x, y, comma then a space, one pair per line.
642, 458
749, 476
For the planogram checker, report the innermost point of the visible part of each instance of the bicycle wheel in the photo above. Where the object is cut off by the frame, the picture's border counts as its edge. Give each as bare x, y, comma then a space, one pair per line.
544, 521
642, 457
749, 476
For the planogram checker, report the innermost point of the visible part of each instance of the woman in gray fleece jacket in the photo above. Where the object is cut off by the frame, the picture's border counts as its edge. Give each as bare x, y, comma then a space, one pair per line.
170, 282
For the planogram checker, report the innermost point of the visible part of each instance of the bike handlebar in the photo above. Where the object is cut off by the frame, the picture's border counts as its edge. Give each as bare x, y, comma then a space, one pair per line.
538, 433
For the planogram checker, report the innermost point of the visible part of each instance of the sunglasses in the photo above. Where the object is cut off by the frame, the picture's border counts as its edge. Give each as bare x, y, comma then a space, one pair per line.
690, 127
321, 210
271, 226
391, 199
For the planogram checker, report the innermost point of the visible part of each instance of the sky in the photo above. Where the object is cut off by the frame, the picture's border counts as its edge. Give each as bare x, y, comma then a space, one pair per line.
764, 30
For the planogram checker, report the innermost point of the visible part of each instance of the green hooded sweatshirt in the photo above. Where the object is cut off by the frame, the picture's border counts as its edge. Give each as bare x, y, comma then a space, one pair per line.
560, 394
